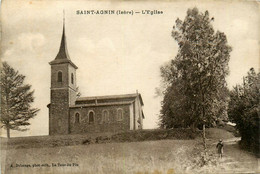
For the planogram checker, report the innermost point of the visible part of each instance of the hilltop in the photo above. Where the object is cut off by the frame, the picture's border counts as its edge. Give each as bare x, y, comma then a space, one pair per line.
170, 154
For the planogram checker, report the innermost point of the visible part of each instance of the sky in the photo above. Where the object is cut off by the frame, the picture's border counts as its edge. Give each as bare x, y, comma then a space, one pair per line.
115, 54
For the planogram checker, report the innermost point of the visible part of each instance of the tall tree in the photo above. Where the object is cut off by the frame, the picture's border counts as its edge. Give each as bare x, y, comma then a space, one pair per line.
196, 77
244, 110
16, 100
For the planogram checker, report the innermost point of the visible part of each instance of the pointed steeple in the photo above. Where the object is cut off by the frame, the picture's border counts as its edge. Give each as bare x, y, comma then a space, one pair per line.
63, 55
63, 52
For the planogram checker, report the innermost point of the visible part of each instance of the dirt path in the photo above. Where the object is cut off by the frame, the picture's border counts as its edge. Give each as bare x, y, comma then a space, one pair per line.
236, 160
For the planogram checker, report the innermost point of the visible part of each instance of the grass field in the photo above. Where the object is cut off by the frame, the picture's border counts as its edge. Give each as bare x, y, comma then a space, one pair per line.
97, 138
144, 157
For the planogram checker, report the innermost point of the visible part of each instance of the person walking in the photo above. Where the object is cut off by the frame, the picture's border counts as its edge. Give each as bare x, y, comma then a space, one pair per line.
220, 146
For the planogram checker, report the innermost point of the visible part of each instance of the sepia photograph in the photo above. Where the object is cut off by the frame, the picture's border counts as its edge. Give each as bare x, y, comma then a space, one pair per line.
129, 87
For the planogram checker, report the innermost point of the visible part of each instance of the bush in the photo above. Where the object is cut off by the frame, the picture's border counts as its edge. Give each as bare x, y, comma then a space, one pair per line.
157, 134
244, 110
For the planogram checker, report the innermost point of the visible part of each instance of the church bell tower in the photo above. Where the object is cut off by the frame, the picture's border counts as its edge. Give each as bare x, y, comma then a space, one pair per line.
63, 89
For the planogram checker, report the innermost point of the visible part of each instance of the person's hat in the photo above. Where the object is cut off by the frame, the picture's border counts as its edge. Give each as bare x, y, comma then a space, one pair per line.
220, 140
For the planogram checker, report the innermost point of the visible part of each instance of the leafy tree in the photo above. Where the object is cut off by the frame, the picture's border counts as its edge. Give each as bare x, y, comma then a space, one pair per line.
16, 99
174, 111
244, 110
195, 79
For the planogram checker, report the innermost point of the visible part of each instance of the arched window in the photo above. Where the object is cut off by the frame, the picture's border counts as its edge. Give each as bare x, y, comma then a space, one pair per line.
72, 78
77, 118
59, 76
105, 116
91, 117
120, 114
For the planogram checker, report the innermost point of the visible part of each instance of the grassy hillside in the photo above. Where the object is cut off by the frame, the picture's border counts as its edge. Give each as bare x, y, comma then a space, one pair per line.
144, 157
97, 138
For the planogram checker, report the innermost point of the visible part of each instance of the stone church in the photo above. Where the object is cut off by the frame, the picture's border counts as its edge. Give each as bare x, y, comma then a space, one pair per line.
69, 114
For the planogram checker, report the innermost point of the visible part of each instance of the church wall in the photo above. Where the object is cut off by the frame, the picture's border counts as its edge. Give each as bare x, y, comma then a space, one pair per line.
59, 112
131, 117
72, 96
138, 114
72, 70
99, 125
72, 85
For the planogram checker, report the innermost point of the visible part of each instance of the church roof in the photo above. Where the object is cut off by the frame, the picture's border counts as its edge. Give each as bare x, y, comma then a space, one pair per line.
102, 104
63, 55
110, 98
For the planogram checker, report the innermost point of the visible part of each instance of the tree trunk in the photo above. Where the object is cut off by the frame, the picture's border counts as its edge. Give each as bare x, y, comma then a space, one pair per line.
8, 132
204, 138
193, 127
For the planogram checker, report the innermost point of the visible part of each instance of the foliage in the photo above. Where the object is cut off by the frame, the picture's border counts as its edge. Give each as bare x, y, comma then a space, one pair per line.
16, 99
195, 87
244, 109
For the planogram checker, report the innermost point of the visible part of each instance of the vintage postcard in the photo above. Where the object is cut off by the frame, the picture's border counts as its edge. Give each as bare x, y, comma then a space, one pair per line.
138, 87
